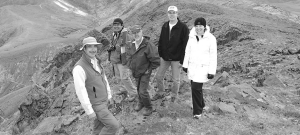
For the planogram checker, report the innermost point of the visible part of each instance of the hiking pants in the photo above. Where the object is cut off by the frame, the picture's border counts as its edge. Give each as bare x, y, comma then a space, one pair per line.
122, 74
197, 97
106, 123
160, 74
142, 88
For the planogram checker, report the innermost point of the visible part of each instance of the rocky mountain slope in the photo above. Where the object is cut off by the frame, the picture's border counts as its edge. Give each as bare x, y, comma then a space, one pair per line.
256, 90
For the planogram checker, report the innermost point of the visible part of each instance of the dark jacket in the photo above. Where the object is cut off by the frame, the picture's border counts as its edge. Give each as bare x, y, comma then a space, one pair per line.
118, 40
142, 59
171, 45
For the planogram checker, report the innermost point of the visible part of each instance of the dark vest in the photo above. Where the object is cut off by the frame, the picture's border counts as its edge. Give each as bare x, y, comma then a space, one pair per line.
95, 82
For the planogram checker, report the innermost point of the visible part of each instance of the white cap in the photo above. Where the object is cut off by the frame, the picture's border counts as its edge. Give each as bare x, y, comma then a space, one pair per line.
174, 8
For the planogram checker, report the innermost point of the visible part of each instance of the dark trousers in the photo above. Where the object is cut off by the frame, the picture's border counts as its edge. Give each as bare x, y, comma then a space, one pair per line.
197, 97
142, 89
106, 123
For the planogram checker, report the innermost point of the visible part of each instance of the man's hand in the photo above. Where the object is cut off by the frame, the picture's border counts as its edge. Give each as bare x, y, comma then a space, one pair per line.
184, 69
210, 76
93, 115
110, 101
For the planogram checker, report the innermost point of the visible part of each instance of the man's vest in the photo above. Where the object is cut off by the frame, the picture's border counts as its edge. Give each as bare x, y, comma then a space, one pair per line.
95, 82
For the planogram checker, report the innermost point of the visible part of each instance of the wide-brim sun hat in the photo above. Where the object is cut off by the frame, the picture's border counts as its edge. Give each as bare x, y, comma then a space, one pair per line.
89, 41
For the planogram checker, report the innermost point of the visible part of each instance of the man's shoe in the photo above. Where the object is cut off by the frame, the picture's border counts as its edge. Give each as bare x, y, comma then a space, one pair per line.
148, 111
157, 96
139, 107
173, 99
131, 98
197, 116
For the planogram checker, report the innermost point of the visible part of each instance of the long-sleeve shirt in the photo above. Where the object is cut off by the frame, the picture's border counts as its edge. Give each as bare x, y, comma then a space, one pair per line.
79, 77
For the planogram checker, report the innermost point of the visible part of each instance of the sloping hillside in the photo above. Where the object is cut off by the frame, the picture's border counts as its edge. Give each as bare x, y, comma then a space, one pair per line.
31, 31
256, 89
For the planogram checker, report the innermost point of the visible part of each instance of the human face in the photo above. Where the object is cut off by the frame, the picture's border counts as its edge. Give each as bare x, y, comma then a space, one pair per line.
91, 50
172, 15
199, 29
137, 35
117, 27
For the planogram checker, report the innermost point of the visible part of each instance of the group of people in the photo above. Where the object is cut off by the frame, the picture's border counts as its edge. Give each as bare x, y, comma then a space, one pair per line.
193, 51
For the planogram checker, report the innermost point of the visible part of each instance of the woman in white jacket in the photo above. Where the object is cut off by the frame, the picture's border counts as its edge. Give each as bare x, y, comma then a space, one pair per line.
200, 62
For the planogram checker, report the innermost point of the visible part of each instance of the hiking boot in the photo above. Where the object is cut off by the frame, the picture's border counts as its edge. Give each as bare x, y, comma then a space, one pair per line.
138, 107
131, 98
157, 96
173, 99
148, 111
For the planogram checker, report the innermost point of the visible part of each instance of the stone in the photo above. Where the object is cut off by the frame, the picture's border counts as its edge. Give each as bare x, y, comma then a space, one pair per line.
285, 51
244, 89
224, 80
273, 81
1, 119
272, 53
293, 50
69, 119
227, 107
47, 125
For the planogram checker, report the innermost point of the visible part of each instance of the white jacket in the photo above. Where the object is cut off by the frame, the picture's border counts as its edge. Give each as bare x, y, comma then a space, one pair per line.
200, 56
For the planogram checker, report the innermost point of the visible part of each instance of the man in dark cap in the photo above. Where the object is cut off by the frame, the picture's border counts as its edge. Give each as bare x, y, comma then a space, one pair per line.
121, 71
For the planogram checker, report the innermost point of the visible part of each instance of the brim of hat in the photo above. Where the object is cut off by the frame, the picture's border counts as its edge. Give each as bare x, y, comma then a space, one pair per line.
95, 43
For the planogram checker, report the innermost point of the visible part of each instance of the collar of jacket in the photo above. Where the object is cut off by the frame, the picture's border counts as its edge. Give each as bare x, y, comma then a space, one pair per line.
175, 26
143, 44
88, 61
193, 33
119, 32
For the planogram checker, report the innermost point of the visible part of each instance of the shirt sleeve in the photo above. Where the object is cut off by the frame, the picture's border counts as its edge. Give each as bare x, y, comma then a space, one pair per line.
108, 88
81, 92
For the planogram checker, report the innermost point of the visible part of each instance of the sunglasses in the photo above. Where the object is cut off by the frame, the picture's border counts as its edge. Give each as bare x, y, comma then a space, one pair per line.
172, 12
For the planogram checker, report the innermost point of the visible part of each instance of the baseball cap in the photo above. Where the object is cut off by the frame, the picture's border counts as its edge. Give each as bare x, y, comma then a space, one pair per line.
174, 8
89, 41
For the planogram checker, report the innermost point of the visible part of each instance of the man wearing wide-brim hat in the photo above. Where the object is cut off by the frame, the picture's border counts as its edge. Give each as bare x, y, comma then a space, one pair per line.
93, 90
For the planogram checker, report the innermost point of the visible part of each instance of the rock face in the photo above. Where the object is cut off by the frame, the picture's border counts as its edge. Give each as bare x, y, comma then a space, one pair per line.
273, 81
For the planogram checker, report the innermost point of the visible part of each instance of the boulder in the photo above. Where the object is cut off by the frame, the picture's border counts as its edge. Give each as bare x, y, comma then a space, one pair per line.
1, 119
47, 125
244, 89
272, 53
227, 107
293, 50
273, 81
224, 80
285, 51
69, 119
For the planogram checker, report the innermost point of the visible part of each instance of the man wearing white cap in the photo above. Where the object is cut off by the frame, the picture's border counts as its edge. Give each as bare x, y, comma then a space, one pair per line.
171, 46
93, 90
